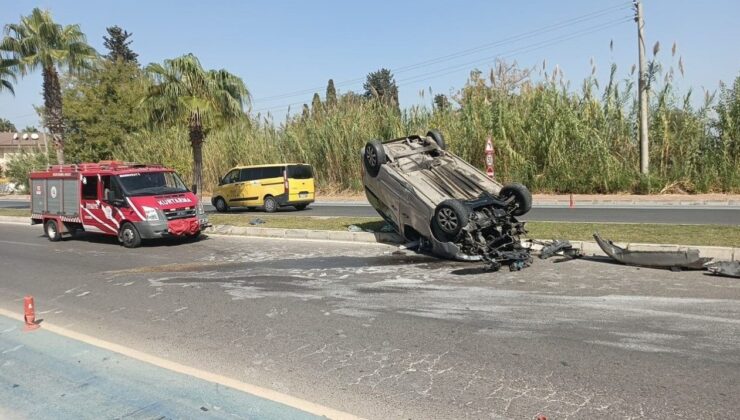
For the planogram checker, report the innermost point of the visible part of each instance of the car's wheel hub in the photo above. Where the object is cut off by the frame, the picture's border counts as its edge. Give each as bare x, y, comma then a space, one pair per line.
372, 157
128, 235
447, 220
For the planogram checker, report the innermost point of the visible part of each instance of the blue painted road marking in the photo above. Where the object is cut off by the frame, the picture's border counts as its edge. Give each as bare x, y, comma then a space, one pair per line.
47, 376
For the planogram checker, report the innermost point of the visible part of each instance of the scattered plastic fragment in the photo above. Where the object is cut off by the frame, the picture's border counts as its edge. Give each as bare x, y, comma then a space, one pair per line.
724, 268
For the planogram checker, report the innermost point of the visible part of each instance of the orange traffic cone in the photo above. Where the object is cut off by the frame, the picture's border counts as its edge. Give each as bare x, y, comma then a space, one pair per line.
29, 314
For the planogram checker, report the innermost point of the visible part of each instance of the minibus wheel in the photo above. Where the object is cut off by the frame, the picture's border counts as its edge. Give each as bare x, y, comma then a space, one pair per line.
271, 204
220, 205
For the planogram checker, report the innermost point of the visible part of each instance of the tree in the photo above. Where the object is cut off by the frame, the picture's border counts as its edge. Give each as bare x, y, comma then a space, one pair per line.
316, 105
30, 129
331, 94
441, 102
7, 126
38, 42
117, 44
7, 76
182, 92
380, 84
101, 108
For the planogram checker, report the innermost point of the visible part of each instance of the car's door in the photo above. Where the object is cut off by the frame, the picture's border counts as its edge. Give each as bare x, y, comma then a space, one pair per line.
228, 186
249, 187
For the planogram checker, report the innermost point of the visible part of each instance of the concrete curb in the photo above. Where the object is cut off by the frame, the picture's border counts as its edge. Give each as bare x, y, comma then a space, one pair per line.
589, 248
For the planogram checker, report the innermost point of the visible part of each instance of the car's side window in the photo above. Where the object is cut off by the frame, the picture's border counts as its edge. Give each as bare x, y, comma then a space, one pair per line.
249, 174
272, 172
231, 177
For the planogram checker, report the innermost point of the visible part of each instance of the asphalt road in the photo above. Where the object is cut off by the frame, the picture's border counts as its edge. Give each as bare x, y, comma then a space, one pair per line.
704, 215
354, 327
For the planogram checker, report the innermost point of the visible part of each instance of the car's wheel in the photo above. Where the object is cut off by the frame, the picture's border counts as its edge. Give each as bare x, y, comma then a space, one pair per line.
522, 198
52, 230
220, 205
373, 157
450, 217
271, 204
438, 138
300, 206
129, 235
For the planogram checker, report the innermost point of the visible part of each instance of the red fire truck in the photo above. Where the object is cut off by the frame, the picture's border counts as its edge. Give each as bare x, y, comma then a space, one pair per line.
132, 201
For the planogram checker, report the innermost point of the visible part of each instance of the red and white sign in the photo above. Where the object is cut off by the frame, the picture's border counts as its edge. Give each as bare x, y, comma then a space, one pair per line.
489, 158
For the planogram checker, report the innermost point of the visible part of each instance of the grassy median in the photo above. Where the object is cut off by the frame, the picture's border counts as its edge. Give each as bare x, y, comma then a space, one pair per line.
712, 235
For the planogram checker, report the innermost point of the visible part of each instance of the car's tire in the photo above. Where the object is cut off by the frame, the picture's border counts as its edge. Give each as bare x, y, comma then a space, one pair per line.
522, 198
52, 230
300, 206
373, 157
271, 205
438, 138
220, 204
129, 235
450, 217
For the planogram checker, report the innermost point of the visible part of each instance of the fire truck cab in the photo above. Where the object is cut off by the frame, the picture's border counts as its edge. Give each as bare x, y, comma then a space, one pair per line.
129, 200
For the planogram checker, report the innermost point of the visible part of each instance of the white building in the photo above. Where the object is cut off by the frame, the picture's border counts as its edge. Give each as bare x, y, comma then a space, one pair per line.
12, 143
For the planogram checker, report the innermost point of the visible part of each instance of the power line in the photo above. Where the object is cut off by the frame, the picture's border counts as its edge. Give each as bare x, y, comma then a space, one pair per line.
520, 50
525, 35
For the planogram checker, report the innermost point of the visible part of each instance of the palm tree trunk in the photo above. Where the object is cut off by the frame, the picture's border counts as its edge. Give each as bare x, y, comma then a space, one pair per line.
196, 142
53, 110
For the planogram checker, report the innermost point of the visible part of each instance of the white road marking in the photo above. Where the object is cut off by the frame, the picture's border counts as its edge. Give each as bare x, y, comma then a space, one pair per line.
255, 390
20, 243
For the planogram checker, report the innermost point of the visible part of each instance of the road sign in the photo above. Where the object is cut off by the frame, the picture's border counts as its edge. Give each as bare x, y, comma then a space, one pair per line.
489, 158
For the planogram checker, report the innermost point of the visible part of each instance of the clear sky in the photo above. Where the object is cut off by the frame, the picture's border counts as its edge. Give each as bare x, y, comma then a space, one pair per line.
280, 47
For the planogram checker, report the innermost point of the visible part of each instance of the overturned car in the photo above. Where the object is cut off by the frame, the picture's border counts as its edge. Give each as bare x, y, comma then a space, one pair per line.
450, 207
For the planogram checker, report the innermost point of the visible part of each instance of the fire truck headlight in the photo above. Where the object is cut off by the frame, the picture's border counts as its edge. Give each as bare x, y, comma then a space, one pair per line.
151, 213
200, 208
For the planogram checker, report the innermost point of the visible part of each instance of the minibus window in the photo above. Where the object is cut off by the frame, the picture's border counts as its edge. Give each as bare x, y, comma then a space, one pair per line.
249, 174
300, 171
272, 172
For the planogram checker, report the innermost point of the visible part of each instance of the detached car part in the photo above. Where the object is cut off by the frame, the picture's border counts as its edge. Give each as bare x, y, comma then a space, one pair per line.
724, 268
559, 247
689, 258
453, 209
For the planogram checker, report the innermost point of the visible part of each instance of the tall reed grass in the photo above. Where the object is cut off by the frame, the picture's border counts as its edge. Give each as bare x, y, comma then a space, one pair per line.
546, 135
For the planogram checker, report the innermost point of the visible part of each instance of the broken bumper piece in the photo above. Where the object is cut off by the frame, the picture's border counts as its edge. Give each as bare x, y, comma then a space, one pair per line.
724, 268
675, 260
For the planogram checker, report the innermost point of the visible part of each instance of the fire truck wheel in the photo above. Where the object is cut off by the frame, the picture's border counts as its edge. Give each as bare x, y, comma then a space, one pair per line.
129, 236
52, 231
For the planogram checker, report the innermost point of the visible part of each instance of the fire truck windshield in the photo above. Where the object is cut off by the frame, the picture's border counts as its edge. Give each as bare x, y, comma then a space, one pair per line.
151, 183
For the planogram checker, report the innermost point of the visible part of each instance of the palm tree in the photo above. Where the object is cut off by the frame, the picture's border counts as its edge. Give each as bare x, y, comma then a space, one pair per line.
7, 76
182, 92
38, 42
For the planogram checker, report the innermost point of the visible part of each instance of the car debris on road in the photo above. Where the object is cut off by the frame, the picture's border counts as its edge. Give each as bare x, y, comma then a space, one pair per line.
558, 247
451, 207
674, 260
724, 268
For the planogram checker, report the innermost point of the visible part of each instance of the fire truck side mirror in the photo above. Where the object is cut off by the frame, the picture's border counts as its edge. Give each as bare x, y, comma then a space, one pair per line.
194, 188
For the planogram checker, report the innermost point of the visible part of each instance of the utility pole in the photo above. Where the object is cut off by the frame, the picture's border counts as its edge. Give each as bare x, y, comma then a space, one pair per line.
642, 86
